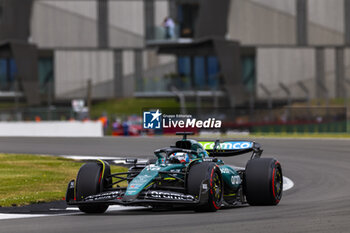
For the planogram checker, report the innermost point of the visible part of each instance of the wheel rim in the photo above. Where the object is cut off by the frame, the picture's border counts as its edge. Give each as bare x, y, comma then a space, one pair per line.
217, 190
278, 184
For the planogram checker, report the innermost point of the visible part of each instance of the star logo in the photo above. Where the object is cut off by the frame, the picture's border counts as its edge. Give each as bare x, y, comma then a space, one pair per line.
156, 115
152, 119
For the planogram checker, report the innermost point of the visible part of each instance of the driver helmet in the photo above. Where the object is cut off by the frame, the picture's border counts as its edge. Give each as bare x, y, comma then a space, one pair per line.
179, 157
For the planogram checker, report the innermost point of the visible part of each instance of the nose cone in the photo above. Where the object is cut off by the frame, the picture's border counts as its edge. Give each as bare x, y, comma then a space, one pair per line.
140, 182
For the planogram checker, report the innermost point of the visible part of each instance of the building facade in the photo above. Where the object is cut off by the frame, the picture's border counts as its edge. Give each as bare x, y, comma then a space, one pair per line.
234, 50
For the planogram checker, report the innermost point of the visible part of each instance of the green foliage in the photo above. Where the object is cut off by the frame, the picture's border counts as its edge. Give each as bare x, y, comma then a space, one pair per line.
129, 106
5, 105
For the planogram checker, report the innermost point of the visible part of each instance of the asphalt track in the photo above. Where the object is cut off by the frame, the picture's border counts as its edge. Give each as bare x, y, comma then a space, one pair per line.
319, 201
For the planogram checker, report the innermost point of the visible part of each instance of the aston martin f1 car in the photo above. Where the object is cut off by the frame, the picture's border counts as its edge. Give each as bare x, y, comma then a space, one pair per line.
187, 174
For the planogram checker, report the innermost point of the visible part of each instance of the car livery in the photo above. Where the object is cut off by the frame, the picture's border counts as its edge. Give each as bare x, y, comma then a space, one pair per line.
188, 173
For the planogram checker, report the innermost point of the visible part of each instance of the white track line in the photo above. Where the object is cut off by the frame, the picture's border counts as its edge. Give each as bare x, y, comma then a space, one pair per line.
287, 183
115, 208
110, 209
83, 157
118, 160
16, 216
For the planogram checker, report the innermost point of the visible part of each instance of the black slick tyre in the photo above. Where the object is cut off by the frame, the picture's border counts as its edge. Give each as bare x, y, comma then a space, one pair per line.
90, 182
263, 184
206, 171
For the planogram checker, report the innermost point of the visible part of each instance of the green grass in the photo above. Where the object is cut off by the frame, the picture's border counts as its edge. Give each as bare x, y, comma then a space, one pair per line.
129, 106
28, 179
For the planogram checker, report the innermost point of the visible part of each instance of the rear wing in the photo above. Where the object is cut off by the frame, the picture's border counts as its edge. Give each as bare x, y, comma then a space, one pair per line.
231, 148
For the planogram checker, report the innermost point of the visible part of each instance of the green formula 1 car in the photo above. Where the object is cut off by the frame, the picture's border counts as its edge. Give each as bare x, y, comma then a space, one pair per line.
188, 173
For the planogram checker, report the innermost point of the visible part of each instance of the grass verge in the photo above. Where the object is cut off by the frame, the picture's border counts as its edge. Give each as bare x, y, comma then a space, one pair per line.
29, 179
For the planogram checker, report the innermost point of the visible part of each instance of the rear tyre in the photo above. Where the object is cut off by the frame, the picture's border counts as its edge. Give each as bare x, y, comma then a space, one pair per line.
199, 173
90, 182
263, 182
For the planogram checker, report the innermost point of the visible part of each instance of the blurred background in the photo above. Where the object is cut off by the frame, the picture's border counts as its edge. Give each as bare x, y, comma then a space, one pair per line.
262, 66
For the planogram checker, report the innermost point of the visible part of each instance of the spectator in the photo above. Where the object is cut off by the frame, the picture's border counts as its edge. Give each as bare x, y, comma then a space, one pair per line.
125, 128
169, 26
117, 128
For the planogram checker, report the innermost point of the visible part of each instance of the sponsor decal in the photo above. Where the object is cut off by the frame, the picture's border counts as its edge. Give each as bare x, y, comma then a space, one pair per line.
142, 178
135, 185
235, 180
225, 170
208, 159
175, 170
103, 196
152, 167
228, 145
71, 184
165, 195
130, 192
138, 181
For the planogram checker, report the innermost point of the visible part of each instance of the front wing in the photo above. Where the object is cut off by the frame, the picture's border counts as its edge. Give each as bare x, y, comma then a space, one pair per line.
145, 198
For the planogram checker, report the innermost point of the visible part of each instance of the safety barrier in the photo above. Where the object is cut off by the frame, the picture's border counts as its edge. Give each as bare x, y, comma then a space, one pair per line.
51, 129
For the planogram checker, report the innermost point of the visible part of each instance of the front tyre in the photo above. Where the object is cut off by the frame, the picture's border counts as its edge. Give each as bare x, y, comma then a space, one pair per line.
206, 172
90, 181
263, 181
